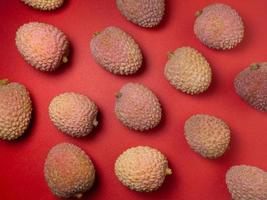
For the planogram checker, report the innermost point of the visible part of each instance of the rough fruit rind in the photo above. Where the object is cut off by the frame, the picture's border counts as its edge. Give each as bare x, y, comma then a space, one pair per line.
251, 85
142, 168
45, 5
15, 110
145, 13
68, 171
219, 26
188, 71
74, 114
42, 45
116, 51
247, 182
207, 135
137, 107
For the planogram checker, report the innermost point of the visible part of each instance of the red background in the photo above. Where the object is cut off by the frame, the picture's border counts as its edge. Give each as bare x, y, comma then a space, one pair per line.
194, 178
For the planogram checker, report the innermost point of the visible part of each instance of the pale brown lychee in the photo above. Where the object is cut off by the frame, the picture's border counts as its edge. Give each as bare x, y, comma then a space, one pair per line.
142, 168
74, 114
15, 110
188, 71
45, 5
42, 45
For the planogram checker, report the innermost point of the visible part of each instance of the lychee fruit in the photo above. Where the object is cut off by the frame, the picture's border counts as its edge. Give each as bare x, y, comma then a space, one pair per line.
42, 45
45, 5
68, 171
15, 110
207, 135
137, 107
188, 71
247, 183
73, 114
116, 51
251, 85
142, 168
145, 13
219, 26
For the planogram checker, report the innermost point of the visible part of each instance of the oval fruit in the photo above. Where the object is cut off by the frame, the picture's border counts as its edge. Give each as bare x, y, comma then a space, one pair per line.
251, 85
188, 71
116, 51
207, 135
68, 171
219, 26
145, 13
45, 5
74, 114
137, 107
142, 168
247, 182
42, 45
15, 110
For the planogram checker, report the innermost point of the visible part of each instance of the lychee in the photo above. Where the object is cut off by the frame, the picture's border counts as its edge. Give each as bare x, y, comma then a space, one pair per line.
68, 171
42, 45
15, 110
137, 107
116, 51
145, 13
219, 26
251, 85
207, 135
188, 71
74, 114
142, 168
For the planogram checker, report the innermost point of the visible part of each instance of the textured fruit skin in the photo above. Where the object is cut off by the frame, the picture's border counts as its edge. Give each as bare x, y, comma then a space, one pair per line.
74, 114
207, 135
188, 71
116, 51
251, 85
42, 45
247, 183
44, 5
15, 110
145, 13
219, 26
142, 168
68, 171
137, 107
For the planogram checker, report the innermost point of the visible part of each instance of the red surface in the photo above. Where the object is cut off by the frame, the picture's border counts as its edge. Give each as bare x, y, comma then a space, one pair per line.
194, 178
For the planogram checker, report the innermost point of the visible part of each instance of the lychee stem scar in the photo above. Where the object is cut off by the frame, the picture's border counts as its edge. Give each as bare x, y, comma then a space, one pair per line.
168, 171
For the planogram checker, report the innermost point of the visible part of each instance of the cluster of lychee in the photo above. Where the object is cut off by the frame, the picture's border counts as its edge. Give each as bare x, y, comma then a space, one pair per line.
68, 170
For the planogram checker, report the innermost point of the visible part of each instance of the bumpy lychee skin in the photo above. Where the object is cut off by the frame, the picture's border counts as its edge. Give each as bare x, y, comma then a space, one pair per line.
145, 13
42, 45
142, 168
251, 85
116, 51
247, 182
137, 107
188, 71
15, 110
74, 114
219, 26
207, 135
68, 171
45, 5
